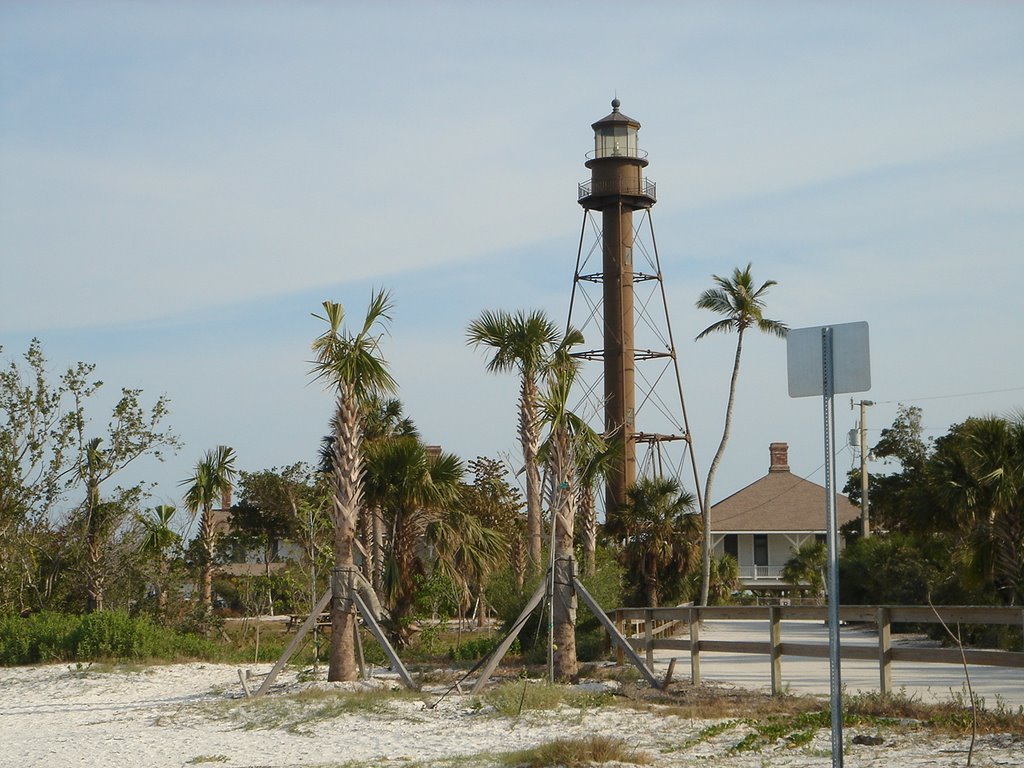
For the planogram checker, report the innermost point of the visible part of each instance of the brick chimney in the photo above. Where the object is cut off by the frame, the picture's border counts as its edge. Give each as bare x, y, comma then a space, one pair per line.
779, 453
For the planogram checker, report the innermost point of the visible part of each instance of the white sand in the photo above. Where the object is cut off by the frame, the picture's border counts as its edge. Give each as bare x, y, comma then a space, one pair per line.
194, 714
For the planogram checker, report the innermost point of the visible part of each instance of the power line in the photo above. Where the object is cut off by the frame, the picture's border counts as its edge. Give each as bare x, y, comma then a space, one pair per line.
949, 397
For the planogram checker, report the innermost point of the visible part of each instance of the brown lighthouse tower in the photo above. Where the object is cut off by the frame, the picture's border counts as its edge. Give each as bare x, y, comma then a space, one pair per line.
616, 194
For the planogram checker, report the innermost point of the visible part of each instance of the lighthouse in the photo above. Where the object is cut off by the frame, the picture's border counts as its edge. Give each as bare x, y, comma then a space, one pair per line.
617, 201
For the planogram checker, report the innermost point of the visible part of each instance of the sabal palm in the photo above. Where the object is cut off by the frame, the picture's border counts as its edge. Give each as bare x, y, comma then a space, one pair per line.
523, 342
414, 487
380, 419
212, 480
352, 364
659, 533
805, 569
741, 306
979, 477
92, 471
596, 459
565, 431
157, 538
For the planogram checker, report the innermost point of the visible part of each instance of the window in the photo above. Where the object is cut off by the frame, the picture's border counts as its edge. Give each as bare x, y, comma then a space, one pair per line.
732, 545
760, 549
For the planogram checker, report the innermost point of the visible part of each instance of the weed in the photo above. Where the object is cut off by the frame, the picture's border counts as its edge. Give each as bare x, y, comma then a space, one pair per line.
510, 699
207, 759
575, 753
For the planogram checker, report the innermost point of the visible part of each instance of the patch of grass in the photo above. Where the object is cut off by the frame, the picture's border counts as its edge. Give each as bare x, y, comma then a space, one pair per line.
207, 759
576, 753
298, 712
951, 717
510, 699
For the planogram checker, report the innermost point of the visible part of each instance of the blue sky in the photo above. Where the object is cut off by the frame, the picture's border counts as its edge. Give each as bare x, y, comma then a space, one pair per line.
182, 184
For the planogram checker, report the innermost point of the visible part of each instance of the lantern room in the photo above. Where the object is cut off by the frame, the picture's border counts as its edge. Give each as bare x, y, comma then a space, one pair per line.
615, 135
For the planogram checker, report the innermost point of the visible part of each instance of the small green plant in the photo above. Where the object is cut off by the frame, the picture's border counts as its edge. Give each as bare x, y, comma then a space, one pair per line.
207, 759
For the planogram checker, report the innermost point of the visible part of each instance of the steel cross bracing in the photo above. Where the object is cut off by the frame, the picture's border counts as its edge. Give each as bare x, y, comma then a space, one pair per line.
662, 436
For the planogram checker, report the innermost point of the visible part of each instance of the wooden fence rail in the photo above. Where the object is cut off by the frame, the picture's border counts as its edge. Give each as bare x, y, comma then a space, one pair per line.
646, 638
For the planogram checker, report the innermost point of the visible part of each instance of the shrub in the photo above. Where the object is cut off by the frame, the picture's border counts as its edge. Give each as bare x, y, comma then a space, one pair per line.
116, 635
40, 637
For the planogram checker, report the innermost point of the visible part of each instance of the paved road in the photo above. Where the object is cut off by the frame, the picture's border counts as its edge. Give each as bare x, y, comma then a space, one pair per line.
929, 682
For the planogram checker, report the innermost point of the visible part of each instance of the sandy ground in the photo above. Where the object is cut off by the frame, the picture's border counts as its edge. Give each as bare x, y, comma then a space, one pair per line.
195, 714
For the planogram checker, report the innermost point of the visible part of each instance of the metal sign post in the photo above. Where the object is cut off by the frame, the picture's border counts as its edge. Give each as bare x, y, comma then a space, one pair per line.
827, 360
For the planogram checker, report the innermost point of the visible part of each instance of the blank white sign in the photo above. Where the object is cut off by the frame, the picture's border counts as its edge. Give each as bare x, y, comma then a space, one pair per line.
851, 363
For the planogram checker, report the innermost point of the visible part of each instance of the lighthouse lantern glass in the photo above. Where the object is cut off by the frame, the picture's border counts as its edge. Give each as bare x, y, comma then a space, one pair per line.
615, 141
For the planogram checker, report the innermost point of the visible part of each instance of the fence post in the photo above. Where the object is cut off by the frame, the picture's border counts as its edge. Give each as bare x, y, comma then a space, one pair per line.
695, 646
620, 624
649, 637
884, 651
775, 638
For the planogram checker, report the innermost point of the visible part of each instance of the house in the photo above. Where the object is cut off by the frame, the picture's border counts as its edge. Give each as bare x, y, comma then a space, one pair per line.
763, 524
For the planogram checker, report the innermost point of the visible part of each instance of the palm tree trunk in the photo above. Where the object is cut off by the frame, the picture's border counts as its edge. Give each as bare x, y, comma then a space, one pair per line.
206, 574
378, 549
529, 437
705, 583
348, 471
563, 607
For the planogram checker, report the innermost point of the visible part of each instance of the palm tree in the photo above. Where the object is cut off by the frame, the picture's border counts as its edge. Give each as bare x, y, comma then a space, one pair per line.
414, 486
597, 459
979, 477
805, 570
565, 431
659, 534
92, 471
352, 364
522, 342
212, 480
742, 307
157, 538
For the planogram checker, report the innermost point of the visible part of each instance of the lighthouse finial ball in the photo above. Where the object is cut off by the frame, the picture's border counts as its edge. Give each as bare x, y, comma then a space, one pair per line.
616, 104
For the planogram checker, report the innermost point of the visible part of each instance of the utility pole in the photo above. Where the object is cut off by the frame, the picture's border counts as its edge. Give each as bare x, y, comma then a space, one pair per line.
865, 522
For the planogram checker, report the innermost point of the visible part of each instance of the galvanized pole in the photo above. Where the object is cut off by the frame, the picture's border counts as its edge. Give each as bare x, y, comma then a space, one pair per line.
835, 682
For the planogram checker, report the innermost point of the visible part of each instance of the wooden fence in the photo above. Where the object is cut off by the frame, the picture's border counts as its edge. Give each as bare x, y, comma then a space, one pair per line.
645, 630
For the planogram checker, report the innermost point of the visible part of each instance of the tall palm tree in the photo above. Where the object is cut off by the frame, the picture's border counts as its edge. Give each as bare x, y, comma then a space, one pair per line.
523, 342
157, 538
212, 479
351, 364
659, 534
742, 307
565, 430
92, 471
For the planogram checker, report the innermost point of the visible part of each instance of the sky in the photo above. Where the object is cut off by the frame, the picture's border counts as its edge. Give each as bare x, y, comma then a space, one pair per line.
182, 185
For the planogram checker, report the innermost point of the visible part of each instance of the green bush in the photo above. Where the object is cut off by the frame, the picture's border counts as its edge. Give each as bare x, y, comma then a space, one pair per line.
50, 637
40, 637
478, 648
116, 635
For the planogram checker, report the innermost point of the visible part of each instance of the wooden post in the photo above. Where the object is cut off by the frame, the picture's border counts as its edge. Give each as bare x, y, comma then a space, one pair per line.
649, 637
884, 651
695, 646
358, 639
620, 625
308, 624
609, 627
499, 653
775, 638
